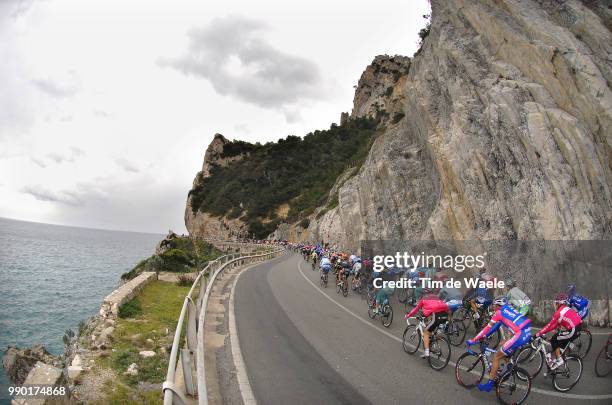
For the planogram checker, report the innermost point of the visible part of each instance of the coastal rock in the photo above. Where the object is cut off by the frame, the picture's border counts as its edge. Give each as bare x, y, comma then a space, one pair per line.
147, 353
45, 374
17, 362
132, 369
74, 371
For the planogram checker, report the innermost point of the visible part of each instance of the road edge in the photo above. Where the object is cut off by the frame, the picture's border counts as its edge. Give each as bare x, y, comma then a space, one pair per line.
248, 398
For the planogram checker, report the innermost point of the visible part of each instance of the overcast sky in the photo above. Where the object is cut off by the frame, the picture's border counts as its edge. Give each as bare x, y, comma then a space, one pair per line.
107, 106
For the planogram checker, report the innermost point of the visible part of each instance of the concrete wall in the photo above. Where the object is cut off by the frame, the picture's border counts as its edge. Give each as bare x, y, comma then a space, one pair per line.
112, 302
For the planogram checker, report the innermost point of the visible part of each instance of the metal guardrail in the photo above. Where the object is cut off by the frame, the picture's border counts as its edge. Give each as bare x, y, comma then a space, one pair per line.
194, 333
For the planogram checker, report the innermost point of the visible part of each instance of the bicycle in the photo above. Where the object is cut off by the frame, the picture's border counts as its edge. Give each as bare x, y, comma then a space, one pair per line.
582, 344
470, 370
324, 278
342, 285
385, 311
438, 344
465, 314
603, 363
356, 283
455, 331
532, 357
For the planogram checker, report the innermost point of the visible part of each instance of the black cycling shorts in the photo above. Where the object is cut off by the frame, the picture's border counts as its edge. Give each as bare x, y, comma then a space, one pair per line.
561, 339
435, 320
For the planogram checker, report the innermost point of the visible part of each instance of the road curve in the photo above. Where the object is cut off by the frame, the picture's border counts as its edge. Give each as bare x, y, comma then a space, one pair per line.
304, 345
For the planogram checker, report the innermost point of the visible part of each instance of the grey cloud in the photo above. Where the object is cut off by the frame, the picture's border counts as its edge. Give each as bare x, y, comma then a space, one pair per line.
126, 165
266, 76
59, 158
39, 162
54, 88
64, 197
76, 152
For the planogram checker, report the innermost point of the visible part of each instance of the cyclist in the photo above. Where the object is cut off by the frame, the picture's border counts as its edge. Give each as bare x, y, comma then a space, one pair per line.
314, 256
451, 295
564, 318
356, 269
325, 266
480, 296
517, 298
382, 294
435, 312
579, 303
516, 322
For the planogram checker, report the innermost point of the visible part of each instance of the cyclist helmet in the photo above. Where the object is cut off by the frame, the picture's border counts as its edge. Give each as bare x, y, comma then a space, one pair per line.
501, 300
561, 299
357, 260
511, 283
571, 290
426, 291
487, 277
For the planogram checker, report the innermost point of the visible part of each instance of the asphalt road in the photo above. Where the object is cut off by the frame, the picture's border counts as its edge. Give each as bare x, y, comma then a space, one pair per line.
307, 345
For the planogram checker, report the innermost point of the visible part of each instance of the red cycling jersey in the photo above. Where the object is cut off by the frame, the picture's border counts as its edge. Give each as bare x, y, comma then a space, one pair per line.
430, 304
565, 317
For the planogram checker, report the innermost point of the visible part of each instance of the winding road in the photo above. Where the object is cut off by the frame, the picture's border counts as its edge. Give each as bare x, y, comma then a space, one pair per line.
302, 344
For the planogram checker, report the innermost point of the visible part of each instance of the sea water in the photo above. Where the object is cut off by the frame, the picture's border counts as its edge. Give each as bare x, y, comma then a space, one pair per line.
52, 277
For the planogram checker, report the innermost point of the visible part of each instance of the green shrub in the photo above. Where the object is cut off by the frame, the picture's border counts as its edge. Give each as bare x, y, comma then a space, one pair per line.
293, 170
130, 309
185, 280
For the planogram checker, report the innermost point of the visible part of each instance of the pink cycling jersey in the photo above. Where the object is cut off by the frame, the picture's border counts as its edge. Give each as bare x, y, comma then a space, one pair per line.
565, 317
430, 305
507, 316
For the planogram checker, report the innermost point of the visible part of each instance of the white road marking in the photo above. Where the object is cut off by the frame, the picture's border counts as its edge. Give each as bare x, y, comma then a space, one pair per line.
533, 389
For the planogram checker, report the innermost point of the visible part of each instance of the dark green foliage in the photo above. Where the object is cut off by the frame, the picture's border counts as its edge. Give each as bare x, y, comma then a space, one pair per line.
185, 255
130, 309
293, 170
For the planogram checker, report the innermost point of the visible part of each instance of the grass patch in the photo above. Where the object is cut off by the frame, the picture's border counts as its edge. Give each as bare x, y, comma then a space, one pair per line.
160, 305
130, 309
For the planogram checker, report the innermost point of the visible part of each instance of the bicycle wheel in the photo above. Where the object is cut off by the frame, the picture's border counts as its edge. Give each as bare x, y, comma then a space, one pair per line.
338, 287
603, 363
513, 387
469, 370
411, 340
530, 360
456, 332
582, 344
386, 316
439, 352
345, 287
464, 315
567, 375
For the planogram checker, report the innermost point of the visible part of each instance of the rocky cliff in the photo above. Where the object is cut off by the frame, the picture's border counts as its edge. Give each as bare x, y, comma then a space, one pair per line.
505, 134
499, 128
202, 224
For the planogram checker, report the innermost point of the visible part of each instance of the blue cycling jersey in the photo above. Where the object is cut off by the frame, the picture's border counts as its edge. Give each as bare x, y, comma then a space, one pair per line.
580, 304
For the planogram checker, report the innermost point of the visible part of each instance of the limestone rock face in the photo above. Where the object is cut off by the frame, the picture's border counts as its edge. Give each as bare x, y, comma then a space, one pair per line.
506, 132
202, 224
